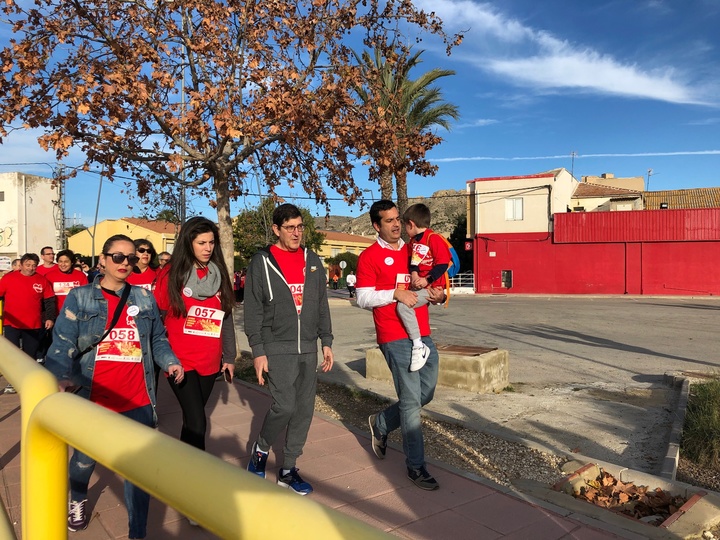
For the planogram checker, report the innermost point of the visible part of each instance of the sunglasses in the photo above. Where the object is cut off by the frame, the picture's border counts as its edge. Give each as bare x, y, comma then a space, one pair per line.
119, 258
144, 250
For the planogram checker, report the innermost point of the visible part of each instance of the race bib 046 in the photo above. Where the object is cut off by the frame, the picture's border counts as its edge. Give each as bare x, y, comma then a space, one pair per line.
402, 281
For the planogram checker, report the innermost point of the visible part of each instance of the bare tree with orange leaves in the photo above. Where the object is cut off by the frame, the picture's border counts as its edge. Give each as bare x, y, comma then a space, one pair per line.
202, 92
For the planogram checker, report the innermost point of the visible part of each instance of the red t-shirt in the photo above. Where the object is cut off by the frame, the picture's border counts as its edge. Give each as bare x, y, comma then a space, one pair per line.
24, 297
145, 279
43, 270
429, 251
292, 265
118, 382
63, 282
194, 339
386, 269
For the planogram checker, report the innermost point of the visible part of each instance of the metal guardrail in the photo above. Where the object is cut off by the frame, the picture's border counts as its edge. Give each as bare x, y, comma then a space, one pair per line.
225, 500
463, 280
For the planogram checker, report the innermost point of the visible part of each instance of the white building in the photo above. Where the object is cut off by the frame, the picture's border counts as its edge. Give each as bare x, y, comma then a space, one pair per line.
518, 204
31, 215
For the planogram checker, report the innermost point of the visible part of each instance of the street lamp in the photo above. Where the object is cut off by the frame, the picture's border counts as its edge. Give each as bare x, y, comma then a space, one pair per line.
371, 192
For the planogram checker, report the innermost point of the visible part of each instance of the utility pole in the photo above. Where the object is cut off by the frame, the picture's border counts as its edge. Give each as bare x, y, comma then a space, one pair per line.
62, 237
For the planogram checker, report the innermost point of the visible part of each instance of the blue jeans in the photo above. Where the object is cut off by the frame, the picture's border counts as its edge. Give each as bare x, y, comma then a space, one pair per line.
137, 501
414, 390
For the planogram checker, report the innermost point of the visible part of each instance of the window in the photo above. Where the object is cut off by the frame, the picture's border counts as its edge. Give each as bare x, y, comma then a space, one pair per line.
335, 252
2, 196
513, 209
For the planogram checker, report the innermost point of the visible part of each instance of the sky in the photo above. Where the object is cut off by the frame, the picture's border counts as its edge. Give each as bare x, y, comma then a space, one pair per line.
629, 87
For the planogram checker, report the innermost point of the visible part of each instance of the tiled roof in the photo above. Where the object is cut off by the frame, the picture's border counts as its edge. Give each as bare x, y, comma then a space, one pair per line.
588, 191
548, 174
345, 237
158, 226
683, 198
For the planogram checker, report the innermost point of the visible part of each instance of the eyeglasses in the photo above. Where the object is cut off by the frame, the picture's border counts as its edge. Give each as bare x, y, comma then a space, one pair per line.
48, 253
119, 258
164, 260
143, 250
292, 228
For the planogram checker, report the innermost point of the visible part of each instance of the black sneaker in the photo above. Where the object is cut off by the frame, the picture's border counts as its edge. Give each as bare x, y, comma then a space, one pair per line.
258, 460
77, 517
292, 480
379, 442
423, 479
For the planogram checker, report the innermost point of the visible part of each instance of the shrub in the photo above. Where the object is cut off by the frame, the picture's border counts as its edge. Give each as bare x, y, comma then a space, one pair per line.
701, 433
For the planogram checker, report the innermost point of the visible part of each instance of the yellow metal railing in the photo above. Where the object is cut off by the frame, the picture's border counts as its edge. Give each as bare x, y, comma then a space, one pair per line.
226, 500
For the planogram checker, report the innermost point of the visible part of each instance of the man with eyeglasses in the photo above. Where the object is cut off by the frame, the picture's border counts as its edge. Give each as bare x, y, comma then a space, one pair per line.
163, 258
29, 309
286, 313
48, 256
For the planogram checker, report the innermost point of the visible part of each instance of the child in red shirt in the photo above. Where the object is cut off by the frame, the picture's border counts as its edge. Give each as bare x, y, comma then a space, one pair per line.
429, 260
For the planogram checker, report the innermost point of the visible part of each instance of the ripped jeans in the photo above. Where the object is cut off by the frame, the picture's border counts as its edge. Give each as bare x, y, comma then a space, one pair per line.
81, 467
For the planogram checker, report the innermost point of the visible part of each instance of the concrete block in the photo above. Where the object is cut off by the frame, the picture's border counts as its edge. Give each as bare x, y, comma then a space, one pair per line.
484, 373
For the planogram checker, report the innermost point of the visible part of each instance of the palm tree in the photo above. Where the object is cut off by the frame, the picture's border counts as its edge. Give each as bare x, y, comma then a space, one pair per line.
409, 108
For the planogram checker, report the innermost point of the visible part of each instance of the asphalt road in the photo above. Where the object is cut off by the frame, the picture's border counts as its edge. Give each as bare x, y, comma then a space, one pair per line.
586, 372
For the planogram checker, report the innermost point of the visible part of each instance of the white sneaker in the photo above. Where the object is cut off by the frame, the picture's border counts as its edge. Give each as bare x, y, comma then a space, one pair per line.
419, 357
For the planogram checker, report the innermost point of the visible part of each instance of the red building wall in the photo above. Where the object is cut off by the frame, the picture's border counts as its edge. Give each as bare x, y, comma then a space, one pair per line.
607, 253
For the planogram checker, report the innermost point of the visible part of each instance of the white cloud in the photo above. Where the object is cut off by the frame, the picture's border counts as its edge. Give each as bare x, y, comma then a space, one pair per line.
705, 122
537, 59
480, 122
580, 156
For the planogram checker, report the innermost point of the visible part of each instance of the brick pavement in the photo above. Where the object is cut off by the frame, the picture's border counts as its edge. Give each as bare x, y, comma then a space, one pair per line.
338, 462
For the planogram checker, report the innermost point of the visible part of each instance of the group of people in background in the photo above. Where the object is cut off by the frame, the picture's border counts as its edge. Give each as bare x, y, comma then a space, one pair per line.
115, 332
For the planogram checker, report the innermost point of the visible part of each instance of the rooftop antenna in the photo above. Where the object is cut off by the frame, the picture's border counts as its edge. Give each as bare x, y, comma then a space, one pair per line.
572, 163
649, 174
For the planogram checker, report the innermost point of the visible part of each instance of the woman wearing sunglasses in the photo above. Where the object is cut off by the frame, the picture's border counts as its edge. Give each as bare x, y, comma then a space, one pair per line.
197, 295
105, 341
143, 275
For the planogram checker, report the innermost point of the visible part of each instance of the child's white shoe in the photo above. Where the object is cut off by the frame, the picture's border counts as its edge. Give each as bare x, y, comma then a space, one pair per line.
419, 357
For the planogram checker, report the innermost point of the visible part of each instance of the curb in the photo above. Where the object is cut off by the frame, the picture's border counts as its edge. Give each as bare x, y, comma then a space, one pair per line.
672, 456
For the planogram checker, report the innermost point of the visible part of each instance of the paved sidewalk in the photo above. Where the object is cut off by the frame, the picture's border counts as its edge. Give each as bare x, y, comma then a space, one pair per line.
340, 465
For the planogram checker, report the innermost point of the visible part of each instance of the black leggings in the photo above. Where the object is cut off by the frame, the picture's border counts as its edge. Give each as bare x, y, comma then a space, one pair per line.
193, 394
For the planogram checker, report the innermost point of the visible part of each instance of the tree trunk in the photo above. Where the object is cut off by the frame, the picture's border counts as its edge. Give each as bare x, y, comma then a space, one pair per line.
225, 222
401, 188
386, 184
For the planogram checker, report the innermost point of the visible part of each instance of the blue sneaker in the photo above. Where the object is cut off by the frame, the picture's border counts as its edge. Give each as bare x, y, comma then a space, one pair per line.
293, 481
258, 460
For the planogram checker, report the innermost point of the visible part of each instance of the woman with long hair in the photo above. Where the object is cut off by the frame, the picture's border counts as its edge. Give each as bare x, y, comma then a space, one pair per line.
106, 339
143, 275
196, 294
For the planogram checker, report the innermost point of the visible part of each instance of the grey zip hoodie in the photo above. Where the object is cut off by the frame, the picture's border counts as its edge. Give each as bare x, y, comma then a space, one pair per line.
272, 323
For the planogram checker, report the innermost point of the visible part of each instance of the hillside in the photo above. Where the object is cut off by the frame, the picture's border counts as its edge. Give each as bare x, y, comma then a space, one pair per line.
445, 206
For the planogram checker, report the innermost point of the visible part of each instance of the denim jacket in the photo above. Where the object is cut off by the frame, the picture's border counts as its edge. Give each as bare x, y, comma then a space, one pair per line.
82, 322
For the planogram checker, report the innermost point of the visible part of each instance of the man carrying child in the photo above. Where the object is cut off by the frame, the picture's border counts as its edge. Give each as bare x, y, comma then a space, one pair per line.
429, 260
